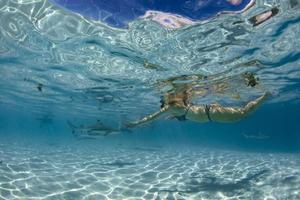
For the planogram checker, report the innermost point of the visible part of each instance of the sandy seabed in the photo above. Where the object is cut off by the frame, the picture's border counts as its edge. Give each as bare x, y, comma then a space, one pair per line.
84, 170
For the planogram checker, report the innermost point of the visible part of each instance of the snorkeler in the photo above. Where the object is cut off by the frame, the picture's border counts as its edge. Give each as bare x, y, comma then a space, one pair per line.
178, 106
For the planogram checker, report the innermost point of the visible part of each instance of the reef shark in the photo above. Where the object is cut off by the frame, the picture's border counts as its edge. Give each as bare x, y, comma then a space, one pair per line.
95, 130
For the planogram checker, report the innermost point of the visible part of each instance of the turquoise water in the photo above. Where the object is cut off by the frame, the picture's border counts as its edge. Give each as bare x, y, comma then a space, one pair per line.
58, 68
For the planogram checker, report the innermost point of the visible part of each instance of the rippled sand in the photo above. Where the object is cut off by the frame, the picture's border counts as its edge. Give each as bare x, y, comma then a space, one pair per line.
97, 171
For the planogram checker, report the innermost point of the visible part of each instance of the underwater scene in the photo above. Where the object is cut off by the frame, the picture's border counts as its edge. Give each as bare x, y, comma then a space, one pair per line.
158, 99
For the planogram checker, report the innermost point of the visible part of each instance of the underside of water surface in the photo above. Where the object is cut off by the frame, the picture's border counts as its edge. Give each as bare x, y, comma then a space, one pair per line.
70, 83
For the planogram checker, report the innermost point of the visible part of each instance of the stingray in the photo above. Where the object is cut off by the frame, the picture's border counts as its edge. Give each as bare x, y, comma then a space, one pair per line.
95, 130
212, 184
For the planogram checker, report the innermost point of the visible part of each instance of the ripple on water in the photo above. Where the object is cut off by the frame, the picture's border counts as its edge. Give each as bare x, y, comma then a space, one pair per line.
69, 55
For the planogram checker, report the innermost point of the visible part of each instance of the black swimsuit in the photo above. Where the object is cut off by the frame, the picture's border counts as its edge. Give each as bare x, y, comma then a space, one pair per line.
207, 108
183, 117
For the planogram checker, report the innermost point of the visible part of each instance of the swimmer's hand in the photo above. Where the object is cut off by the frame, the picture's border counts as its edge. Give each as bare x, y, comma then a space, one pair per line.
267, 95
129, 125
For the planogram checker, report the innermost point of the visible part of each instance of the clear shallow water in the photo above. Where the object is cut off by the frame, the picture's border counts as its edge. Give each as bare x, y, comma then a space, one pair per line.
93, 170
89, 71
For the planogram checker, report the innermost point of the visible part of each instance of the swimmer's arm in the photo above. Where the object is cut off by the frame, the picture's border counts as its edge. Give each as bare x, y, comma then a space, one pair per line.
253, 105
148, 118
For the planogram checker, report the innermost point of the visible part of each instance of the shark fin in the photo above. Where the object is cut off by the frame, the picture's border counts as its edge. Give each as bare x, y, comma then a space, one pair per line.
73, 127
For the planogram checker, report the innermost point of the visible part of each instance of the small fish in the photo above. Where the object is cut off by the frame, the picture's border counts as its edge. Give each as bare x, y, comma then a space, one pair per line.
256, 136
40, 87
149, 65
264, 16
119, 164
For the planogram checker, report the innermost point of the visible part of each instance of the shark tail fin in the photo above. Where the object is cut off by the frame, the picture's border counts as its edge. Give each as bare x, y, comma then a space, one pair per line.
72, 126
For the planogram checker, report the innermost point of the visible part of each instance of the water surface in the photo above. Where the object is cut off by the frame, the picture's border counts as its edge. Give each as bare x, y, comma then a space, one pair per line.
58, 66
